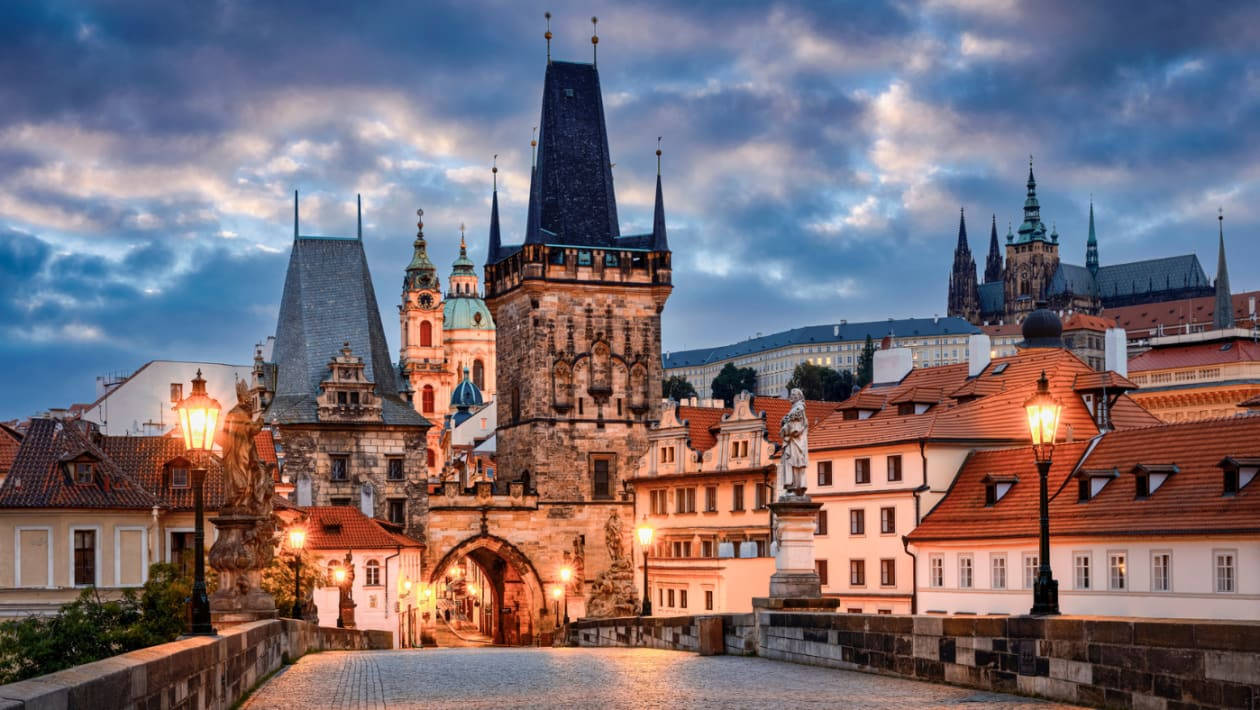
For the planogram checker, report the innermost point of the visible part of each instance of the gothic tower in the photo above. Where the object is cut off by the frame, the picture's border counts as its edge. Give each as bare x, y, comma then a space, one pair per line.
964, 298
993, 265
1091, 246
579, 307
1032, 257
423, 362
1224, 311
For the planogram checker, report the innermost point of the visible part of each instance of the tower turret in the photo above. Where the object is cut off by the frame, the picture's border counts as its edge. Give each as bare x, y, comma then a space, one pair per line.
1032, 228
1224, 315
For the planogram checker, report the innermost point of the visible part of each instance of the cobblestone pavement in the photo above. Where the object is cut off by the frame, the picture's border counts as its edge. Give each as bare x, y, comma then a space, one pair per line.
576, 679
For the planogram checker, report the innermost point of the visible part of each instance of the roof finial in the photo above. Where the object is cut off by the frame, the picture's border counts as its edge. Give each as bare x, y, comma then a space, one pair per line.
547, 35
461, 235
594, 42
533, 147
295, 215
420, 224
658, 155
359, 199
494, 171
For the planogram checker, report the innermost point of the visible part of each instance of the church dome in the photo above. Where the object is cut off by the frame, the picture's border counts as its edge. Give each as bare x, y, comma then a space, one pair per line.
466, 313
1043, 329
466, 394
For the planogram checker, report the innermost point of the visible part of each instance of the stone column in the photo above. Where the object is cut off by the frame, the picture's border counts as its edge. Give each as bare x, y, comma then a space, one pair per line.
794, 573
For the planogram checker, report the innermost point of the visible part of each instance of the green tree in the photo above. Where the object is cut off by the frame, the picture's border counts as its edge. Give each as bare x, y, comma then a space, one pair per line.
819, 382
732, 380
277, 578
677, 388
866, 363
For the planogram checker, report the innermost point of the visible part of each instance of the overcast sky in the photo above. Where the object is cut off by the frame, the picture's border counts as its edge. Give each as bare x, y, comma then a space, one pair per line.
816, 155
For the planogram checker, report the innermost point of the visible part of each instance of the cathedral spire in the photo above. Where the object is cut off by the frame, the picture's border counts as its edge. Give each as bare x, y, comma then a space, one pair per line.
962, 232
1224, 316
496, 240
964, 295
1091, 246
659, 240
993, 265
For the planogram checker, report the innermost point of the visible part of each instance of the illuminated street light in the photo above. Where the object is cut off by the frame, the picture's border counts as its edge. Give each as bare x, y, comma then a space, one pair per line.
198, 418
297, 539
566, 573
1043, 412
645, 539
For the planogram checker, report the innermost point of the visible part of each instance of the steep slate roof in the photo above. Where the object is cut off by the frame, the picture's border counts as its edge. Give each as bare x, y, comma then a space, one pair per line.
1070, 278
1196, 354
1135, 277
1190, 501
342, 527
992, 296
328, 299
38, 479
819, 334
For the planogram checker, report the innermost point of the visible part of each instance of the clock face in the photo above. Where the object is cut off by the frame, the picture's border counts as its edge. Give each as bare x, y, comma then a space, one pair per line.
426, 300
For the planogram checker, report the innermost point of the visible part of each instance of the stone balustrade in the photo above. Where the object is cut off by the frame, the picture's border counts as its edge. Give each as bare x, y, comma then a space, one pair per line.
210, 672
1111, 662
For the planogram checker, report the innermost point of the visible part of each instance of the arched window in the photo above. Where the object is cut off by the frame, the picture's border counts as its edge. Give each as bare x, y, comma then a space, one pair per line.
432, 457
426, 334
372, 573
426, 398
479, 374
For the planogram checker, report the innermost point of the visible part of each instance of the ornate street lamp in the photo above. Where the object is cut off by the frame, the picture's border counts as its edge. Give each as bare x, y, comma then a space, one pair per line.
566, 574
555, 593
645, 539
297, 539
198, 418
1043, 423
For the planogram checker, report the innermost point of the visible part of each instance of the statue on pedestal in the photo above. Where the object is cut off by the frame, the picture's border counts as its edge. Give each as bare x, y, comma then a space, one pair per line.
612, 591
246, 530
794, 458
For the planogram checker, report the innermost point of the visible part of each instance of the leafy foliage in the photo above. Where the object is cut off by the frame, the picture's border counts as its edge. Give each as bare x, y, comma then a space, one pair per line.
277, 579
866, 363
677, 388
818, 382
732, 380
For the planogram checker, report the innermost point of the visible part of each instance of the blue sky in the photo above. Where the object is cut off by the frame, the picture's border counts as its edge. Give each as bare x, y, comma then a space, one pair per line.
816, 155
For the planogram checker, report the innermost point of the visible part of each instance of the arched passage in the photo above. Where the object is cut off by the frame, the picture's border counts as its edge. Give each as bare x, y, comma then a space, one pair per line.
516, 597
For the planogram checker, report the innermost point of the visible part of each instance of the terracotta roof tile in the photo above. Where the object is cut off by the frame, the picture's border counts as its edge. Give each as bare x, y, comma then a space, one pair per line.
10, 442
1087, 381
266, 444
775, 408
38, 478
1173, 315
342, 527
1083, 321
1196, 355
149, 459
864, 399
700, 425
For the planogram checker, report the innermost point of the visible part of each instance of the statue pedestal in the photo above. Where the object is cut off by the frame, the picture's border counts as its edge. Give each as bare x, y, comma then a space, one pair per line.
243, 549
794, 574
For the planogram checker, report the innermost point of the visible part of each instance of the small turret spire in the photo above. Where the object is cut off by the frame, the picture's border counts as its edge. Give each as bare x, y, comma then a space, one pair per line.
660, 242
492, 249
359, 199
295, 215
1091, 245
547, 35
1224, 311
594, 41
533, 148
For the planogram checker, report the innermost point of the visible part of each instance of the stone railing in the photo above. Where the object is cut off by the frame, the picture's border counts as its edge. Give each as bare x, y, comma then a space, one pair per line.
1109, 662
211, 672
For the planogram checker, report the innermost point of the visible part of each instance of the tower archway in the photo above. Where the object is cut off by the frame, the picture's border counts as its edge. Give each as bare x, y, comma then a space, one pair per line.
509, 605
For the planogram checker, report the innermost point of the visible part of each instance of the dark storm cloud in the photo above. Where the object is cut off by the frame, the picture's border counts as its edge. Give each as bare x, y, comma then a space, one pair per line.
816, 154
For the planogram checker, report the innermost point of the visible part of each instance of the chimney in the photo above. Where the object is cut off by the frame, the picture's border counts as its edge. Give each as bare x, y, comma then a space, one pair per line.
892, 364
835, 330
1116, 351
1251, 306
979, 347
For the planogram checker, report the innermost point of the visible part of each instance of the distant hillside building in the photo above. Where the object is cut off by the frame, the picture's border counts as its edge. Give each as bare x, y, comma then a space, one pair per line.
1033, 273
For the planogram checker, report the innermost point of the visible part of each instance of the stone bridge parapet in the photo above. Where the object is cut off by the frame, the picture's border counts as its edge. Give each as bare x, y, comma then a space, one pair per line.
1111, 662
211, 672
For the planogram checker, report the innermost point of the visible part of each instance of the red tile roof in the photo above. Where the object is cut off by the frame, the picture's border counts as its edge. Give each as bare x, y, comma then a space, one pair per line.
149, 459
266, 447
866, 399
1140, 320
1196, 355
1003, 329
1083, 321
10, 441
701, 422
39, 478
342, 527
1189, 502
1088, 381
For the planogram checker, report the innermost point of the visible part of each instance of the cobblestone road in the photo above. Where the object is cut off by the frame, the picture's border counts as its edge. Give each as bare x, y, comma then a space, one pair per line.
576, 679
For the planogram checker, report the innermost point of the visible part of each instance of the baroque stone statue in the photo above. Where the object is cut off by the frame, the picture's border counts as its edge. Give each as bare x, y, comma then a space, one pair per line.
794, 458
612, 591
246, 529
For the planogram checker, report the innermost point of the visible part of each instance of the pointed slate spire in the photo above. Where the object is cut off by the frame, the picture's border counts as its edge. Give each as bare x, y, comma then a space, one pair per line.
659, 240
359, 198
295, 215
962, 232
1032, 228
993, 265
1091, 246
1224, 316
964, 297
492, 250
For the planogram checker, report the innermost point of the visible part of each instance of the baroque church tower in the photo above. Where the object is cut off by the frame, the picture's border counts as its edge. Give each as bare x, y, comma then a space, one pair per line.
1032, 258
964, 298
580, 308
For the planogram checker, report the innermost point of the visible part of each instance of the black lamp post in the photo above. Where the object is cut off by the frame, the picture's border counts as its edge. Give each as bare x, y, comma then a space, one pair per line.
566, 574
297, 538
198, 418
1043, 422
645, 539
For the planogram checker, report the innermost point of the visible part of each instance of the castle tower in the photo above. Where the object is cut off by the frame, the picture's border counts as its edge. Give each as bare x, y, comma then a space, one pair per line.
993, 265
964, 298
579, 306
1032, 257
423, 362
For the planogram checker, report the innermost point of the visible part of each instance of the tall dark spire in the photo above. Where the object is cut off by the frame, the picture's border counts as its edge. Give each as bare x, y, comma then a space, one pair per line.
496, 240
964, 294
1091, 245
993, 265
659, 240
1224, 316
295, 215
359, 200
962, 233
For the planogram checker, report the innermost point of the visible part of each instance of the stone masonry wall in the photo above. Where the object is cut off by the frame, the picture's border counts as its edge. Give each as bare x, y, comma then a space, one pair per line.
195, 672
1105, 662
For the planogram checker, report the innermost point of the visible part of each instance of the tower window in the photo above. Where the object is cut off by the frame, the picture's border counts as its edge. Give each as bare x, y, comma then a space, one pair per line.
601, 474
426, 399
426, 334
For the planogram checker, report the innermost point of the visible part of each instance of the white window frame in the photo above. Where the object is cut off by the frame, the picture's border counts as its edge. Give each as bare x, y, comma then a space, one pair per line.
96, 568
936, 563
994, 558
144, 560
170, 535
1088, 557
17, 555
1111, 582
1233, 578
970, 566
1168, 571
1030, 580
367, 580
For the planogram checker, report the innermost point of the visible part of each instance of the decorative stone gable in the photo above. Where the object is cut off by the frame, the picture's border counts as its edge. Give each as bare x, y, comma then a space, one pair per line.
347, 396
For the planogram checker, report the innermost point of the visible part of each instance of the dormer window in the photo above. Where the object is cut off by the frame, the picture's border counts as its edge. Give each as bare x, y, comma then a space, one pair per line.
179, 478
905, 408
1090, 483
1149, 477
996, 487
1238, 473
82, 473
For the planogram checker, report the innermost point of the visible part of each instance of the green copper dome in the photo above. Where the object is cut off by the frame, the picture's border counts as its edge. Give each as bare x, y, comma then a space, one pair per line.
466, 313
